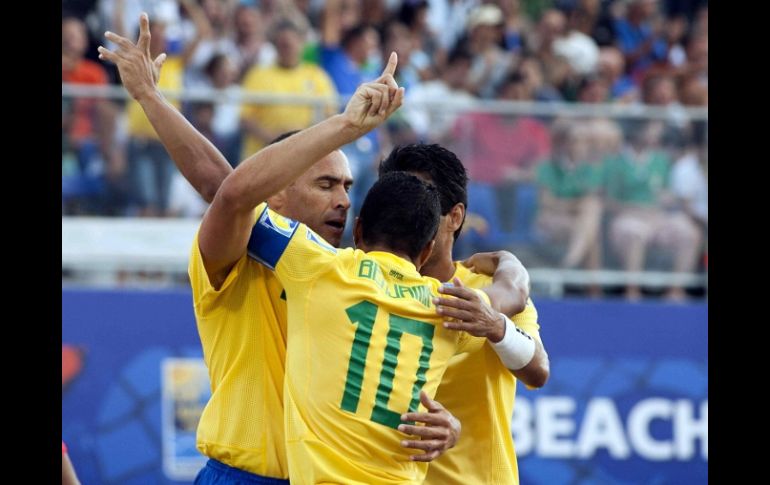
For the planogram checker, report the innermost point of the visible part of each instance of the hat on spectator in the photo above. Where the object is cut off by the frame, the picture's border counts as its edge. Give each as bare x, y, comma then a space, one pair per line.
486, 14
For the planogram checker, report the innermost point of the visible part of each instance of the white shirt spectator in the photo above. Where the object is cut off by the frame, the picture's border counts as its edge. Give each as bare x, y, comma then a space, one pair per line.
688, 182
183, 200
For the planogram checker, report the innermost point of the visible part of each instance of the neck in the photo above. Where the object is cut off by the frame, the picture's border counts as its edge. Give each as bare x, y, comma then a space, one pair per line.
440, 264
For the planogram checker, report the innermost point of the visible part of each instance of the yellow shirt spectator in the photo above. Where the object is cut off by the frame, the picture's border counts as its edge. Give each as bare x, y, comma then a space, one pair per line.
305, 79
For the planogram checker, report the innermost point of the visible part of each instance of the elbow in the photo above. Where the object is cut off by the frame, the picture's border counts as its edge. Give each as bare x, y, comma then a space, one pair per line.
538, 374
208, 192
230, 196
521, 293
514, 303
539, 378
211, 186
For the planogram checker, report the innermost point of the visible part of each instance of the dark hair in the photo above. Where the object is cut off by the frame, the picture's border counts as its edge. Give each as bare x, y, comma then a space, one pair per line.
282, 136
459, 53
409, 10
400, 212
442, 167
353, 34
514, 78
214, 63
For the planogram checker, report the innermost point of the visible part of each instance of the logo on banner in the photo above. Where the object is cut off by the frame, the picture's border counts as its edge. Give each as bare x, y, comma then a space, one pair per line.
185, 392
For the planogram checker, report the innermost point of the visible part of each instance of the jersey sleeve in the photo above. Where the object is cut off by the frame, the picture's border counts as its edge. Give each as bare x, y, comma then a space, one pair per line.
207, 299
288, 247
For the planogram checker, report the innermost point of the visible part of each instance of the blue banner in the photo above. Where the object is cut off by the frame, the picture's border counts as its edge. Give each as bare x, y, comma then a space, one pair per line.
627, 402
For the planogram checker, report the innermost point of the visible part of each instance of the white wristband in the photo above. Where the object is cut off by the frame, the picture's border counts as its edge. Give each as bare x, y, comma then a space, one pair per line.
516, 349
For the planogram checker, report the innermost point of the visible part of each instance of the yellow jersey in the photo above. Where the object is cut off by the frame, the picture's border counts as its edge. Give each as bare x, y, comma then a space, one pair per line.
305, 79
170, 78
363, 340
242, 327
480, 391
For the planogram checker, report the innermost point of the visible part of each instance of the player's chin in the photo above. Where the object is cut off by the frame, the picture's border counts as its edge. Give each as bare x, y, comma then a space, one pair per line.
332, 233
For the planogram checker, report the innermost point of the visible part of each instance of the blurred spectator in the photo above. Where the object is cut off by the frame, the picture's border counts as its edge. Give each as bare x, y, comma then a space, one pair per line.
184, 200
644, 213
210, 36
697, 65
433, 123
275, 12
551, 26
688, 179
593, 89
694, 93
503, 150
593, 18
659, 89
225, 124
396, 37
578, 48
150, 167
674, 33
491, 63
531, 69
371, 12
251, 46
606, 139
612, 69
448, 19
424, 49
516, 25
262, 123
347, 56
701, 22
570, 206
122, 17
639, 38
88, 124
352, 56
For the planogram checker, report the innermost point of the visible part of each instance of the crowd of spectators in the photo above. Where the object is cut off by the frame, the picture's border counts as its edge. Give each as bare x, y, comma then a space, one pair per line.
628, 183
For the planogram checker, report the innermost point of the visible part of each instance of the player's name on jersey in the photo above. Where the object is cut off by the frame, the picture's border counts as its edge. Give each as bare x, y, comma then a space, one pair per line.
369, 269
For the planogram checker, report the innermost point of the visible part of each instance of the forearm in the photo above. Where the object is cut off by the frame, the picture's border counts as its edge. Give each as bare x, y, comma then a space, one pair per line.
509, 291
271, 169
226, 226
199, 161
523, 354
536, 372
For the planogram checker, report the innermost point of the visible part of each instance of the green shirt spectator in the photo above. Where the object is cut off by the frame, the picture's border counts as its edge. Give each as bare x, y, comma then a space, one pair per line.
638, 182
570, 182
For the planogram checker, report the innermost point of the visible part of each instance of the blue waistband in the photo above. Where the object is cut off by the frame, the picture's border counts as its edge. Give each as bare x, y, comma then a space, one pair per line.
243, 475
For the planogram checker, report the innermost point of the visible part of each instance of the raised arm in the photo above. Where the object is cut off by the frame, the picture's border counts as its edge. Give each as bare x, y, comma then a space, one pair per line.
199, 161
226, 227
523, 354
509, 291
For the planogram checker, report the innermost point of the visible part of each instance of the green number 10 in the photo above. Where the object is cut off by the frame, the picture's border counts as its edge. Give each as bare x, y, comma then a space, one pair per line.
363, 315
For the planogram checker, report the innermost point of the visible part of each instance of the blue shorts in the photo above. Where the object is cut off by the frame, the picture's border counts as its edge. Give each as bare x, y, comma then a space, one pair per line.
217, 473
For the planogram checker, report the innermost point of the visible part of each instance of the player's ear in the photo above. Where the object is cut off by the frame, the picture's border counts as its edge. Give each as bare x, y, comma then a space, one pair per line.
357, 233
455, 217
425, 254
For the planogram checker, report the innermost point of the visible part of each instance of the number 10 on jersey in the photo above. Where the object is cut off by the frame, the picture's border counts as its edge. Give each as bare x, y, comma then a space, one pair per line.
363, 315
